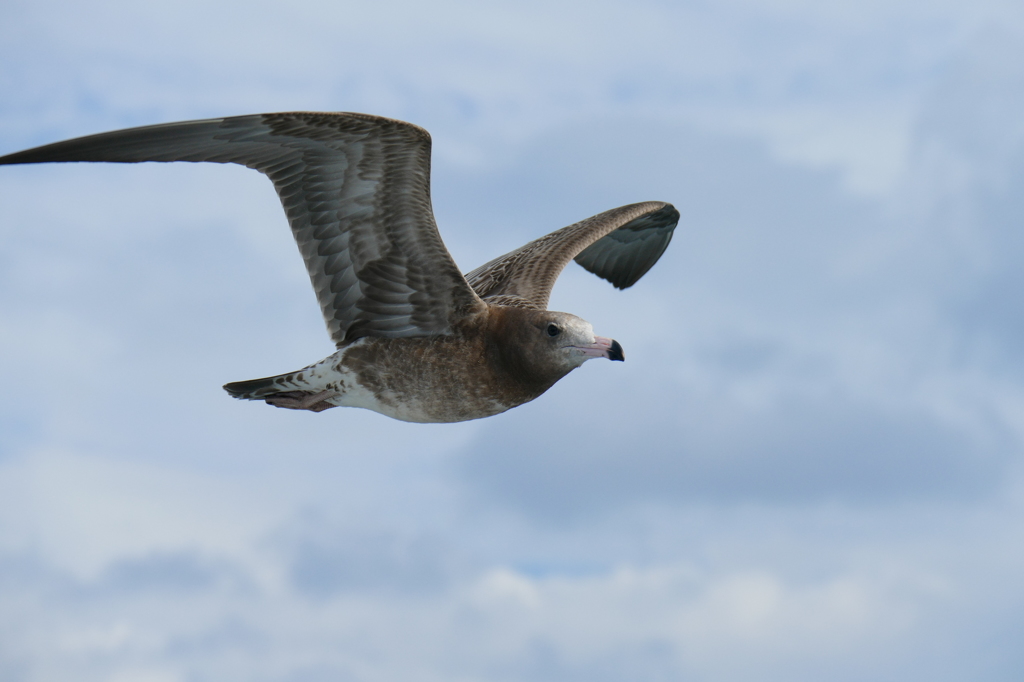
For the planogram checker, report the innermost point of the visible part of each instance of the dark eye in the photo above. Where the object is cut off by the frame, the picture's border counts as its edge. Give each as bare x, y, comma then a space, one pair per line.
553, 330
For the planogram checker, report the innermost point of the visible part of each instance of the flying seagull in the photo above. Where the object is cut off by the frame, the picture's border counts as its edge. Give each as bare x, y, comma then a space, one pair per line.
416, 339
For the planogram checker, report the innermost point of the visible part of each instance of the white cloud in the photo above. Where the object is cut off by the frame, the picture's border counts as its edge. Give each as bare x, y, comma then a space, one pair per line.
82, 513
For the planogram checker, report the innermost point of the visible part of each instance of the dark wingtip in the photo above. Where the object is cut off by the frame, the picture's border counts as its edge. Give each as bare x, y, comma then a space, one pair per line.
615, 353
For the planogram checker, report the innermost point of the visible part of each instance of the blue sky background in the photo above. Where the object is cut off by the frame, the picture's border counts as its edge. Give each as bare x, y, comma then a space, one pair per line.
809, 468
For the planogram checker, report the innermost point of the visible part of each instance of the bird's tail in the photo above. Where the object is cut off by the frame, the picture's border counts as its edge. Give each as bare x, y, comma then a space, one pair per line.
260, 389
284, 390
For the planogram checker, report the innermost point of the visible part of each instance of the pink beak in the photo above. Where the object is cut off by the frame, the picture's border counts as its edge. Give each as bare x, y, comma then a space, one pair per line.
604, 348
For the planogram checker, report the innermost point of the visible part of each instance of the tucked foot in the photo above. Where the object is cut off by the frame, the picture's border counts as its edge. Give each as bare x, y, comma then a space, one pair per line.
302, 400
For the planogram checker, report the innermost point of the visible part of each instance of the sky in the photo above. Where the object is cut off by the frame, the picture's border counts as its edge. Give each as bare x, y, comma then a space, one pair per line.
809, 467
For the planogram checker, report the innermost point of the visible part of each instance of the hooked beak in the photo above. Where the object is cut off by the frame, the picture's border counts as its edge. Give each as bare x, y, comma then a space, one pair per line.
603, 348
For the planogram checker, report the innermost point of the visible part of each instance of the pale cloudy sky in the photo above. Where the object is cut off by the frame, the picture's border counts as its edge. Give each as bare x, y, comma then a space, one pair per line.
809, 467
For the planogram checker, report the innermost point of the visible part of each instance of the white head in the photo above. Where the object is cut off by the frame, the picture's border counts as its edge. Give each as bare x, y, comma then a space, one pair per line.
573, 340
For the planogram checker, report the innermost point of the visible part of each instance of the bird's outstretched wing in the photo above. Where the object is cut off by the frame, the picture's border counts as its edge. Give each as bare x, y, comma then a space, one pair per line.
619, 245
356, 190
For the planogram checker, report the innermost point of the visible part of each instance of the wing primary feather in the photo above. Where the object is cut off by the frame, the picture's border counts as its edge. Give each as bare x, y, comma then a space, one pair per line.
613, 245
356, 191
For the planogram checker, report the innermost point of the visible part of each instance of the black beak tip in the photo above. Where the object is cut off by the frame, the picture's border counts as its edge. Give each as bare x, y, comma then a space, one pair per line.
615, 353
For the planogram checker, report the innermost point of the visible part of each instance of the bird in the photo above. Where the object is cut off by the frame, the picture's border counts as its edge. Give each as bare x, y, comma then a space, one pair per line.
415, 338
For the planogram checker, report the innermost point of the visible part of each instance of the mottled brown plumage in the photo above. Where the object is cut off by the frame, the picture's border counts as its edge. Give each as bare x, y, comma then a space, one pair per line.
416, 339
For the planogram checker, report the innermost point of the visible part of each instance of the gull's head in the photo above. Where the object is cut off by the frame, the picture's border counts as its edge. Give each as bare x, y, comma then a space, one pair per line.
542, 346
572, 341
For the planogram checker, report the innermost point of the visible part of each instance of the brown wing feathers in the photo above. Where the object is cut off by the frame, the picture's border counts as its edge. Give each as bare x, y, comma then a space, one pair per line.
356, 190
619, 245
